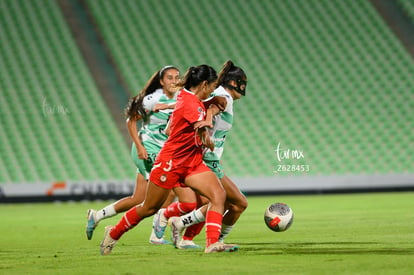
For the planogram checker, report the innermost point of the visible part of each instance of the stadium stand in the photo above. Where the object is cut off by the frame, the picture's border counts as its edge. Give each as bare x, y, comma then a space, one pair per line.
54, 123
408, 7
327, 78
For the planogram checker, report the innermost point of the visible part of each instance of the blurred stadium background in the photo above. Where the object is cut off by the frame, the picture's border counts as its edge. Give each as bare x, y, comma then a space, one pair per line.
329, 108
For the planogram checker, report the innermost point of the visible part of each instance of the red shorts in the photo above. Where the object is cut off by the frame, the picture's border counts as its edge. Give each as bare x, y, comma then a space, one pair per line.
166, 176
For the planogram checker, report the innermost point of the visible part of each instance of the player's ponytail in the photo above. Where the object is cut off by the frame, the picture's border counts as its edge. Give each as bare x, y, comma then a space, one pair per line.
224, 73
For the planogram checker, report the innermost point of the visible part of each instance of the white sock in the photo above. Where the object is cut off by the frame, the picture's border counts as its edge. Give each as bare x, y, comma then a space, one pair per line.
194, 217
225, 230
106, 212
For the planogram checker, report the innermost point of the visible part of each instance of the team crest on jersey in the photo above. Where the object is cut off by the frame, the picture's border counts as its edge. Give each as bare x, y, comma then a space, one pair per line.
202, 113
163, 178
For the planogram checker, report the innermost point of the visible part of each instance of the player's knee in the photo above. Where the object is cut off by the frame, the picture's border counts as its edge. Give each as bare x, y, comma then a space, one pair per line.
135, 200
240, 206
243, 204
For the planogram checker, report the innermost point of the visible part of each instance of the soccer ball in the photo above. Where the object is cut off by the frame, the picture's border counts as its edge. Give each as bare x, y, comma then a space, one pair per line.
278, 217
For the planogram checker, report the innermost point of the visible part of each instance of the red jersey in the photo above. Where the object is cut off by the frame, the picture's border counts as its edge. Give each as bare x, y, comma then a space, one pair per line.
183, 146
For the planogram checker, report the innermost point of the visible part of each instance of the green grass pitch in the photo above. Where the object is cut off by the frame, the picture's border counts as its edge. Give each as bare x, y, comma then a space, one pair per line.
331, 234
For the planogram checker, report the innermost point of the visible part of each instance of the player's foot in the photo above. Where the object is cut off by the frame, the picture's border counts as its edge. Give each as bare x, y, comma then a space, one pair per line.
220, 247
107, 243
159, 224
187, 244
154, 240
91, 223
159, 241
176, 230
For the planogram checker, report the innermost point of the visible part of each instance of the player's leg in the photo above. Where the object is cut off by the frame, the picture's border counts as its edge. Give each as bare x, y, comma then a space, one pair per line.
192, 223
207, 184
153, 239
236, 202
155, 197
170, 199
235, 205
122, 205
187, 201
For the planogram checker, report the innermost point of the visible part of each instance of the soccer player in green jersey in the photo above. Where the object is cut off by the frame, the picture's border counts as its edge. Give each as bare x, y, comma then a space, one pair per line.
232, 83
152, 107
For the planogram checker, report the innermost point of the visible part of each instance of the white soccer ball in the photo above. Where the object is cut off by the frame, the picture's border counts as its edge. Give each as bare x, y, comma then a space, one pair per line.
278, 217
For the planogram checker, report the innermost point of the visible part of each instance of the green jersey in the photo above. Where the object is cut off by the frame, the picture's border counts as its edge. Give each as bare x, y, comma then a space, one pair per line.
152, 132
222, 124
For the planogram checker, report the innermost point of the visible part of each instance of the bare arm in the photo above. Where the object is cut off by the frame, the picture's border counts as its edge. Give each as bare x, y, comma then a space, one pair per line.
163, 106
133, 133
219, 101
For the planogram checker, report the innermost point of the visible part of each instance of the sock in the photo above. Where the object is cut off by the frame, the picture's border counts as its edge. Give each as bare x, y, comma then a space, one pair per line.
193, 231
213, 227
194, 217
106, 212
179, 208
225, 230
129, 220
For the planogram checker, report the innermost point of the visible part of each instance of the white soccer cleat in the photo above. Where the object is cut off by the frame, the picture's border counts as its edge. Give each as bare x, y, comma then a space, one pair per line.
107, 243
176, 230
187, 244
91, 223
220, 247
159, 224
154, 240
159, 241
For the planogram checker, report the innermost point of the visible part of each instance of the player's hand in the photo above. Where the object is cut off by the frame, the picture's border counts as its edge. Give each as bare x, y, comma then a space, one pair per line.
142, 152
202, 123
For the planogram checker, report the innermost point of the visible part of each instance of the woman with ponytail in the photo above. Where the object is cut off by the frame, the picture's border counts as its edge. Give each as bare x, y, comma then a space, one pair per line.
232, 83
152, 107
180, 163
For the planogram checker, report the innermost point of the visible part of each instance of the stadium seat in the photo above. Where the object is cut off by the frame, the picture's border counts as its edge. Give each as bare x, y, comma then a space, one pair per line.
54, 122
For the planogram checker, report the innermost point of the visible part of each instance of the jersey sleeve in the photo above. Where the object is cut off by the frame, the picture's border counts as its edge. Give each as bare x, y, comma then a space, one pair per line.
194, 112
150, 101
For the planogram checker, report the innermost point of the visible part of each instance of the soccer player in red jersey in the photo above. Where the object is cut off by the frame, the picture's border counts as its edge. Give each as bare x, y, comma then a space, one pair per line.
180, 161
152, 106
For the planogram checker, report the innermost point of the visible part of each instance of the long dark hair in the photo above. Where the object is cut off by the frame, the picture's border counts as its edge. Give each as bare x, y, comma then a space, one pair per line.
230, 72
195, 75
134, 108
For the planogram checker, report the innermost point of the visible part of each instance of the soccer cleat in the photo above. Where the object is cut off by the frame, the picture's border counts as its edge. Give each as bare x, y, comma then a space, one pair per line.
220, 247
187, 244
107, 243
154, 240
176, 230
159, 230
91, 223
159, 241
